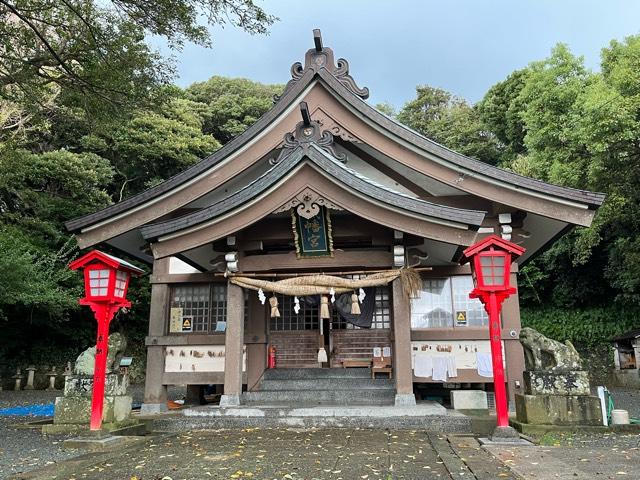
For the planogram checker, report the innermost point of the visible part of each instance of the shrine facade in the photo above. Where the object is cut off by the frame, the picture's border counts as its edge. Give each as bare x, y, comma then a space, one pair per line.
325, 187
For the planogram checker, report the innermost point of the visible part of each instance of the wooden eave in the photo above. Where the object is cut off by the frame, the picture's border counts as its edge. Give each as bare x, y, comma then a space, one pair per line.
339, 84
473, 167
339, 174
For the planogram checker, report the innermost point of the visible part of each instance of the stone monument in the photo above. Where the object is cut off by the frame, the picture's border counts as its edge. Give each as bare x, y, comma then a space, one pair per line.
556, 386
75, 406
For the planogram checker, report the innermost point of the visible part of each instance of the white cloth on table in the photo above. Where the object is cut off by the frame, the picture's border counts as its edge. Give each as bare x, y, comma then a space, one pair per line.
452, 371
439, 369
485, 365
423, 366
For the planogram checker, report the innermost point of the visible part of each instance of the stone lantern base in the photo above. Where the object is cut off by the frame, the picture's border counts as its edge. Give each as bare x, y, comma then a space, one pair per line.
74, 408
558, 398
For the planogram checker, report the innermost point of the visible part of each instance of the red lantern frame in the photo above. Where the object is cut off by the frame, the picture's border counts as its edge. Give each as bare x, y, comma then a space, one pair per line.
104, 307
492, 294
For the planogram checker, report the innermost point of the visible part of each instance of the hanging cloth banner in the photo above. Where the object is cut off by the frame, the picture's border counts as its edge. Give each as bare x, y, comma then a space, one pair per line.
344, 307
323, 284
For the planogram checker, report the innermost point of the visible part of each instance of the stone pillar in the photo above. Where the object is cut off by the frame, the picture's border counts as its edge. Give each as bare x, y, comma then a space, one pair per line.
52, 379
18, 378
402, 346
155, 393
31, 371
234, 341
513, 352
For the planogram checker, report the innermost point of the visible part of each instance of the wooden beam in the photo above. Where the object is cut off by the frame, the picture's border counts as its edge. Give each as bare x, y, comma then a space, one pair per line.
289, 261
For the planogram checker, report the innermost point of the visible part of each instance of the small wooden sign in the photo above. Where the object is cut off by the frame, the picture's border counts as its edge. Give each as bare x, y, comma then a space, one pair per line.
175, 320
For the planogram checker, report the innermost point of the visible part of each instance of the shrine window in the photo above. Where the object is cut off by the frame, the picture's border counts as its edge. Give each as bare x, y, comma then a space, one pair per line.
197, 308
445, 303
307, 317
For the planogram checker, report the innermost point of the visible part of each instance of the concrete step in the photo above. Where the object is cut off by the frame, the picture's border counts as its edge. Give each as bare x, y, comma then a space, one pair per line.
315, 373
320, 397
428, 416
328, 384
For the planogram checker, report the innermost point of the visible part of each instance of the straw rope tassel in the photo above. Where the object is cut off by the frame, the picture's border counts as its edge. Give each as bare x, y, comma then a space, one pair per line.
355, 306
324, 307
322, 353
273, 301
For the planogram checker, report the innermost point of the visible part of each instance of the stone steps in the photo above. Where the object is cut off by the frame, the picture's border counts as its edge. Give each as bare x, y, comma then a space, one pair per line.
427, 416
315, 373
321, 386
328, 383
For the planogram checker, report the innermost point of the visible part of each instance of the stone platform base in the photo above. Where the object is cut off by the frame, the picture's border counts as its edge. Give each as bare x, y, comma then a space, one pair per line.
558, 409
428, 416
575, 382
540, 430
77, 410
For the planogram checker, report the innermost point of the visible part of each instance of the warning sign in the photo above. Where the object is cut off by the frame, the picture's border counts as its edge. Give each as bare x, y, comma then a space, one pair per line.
461, 318
187, 324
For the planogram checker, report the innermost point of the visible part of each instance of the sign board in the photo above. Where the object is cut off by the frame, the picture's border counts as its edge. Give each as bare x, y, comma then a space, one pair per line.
377, 351
175, 320
386, 352
187, 324
461, 318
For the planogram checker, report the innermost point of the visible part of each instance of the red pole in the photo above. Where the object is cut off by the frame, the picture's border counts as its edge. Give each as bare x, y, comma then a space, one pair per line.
103, 314
502, 410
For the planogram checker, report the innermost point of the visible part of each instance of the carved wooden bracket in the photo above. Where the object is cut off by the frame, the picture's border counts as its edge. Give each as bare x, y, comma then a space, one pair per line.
307, 204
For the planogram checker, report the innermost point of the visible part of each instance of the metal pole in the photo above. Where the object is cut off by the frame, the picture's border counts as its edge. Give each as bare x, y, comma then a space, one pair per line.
502, 411
103, 314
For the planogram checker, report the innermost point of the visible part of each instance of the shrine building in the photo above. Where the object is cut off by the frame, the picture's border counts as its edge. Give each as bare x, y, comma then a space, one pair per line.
296, 246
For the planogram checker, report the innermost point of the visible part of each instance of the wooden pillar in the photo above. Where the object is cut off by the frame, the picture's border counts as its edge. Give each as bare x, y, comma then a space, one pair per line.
234, 341
155, 393
256, 341
513, 352
402, 346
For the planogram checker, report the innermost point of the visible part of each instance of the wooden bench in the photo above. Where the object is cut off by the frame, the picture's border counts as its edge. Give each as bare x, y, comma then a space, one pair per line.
356, 363
382, 365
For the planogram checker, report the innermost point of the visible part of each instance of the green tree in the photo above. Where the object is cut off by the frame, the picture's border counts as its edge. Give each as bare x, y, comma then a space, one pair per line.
450, 121
94, 52
233, 104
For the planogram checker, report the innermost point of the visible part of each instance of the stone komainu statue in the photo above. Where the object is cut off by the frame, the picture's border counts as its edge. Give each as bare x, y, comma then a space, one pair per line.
85, 361
542, 353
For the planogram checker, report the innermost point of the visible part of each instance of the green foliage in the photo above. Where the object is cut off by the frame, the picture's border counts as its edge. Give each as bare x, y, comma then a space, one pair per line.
585, 328
450, 121
94, 55
232, 104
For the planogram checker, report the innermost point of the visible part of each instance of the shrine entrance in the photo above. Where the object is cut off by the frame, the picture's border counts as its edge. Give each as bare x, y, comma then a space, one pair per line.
297, 336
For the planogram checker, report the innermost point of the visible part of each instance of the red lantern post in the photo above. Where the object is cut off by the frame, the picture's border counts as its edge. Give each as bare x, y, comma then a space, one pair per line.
491, 270
106, 281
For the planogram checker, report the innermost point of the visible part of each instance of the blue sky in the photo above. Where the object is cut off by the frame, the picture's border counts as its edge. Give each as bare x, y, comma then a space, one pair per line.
463, 46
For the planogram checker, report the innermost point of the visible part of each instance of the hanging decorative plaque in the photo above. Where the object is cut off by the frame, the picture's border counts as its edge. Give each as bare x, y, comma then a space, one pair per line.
312, 235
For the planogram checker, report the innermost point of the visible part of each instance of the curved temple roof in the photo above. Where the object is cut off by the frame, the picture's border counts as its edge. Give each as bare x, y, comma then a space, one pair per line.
468, 219
319, 65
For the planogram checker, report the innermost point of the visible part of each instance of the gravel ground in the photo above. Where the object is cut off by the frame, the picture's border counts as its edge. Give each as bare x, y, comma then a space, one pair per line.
22, 450
627, 399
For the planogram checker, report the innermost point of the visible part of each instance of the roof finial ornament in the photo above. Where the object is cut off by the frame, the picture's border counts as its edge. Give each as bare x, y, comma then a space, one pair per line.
321, 58
308, 131
306, 117
317, 39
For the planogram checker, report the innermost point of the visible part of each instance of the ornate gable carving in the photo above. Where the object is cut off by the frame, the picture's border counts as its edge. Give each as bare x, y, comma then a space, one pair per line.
307, 204
307, 132
322, 57
327, 122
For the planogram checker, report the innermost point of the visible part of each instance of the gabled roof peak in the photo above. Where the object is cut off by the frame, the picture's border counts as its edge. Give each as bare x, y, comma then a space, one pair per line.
321, 57
308, 132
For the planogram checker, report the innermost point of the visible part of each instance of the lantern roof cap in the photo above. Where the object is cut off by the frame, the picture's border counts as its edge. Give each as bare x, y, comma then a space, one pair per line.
492, 240
110, 260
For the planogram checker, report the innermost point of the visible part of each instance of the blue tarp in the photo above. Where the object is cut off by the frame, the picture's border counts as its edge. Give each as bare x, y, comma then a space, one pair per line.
42, 410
